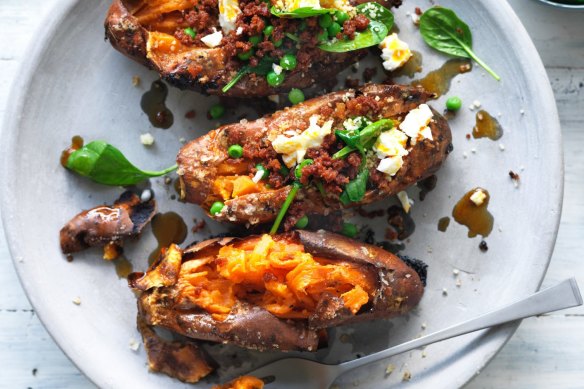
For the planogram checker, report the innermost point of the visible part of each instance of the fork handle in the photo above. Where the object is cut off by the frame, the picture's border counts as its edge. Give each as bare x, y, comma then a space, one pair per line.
563, 295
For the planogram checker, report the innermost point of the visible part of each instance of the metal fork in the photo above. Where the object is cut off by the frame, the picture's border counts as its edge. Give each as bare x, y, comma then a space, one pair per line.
307, 374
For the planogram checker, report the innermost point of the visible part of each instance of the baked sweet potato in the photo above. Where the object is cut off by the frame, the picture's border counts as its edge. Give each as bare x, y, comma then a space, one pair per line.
274, 292
208, 174
168, 36
107, 225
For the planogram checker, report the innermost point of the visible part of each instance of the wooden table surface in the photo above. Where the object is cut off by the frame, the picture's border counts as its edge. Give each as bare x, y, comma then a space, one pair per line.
545, 352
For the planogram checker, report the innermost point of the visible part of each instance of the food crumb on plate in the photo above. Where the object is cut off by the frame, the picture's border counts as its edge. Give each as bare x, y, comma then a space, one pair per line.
147, 139
76, 301
133, 344
423, 326
455, 272
444, 292
389, 369
458, 282
501, 147
136, 80
407, 376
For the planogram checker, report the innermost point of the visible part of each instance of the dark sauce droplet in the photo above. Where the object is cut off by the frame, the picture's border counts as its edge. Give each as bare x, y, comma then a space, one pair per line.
168, 228
427, 185
76, 144
123, 267
476, 217
413, 66
487, 126
153, 105
401, 224
443, 223
438, 81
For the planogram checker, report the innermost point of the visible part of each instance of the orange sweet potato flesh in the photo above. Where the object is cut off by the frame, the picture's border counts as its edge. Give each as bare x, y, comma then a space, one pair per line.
243, 382
274, 292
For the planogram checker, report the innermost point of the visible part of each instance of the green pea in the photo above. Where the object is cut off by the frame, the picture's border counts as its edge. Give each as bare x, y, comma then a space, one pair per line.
274, 79
453, 103
216, 208
216, 111
260, 168
295, 96
349, 230
246, 55
278, 43
302, 165
288, 61
334, 29
302, 222
325, 20
254, 40
323, 36
235, 151
341, 17
190, 32
268, 30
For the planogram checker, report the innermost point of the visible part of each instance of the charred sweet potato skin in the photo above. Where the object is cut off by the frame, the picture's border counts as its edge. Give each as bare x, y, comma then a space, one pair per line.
200, 159
398, 289
204, 69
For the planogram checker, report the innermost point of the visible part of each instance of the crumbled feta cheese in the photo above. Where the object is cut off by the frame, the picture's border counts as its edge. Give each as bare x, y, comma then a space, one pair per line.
258, 176
147, 139
394, 52
416, 122
390, 165
455, 272
277, 68
146, 195
228, 12
213, 39
478, 197
239, 31
294, 148
77, 301
476, 103
405, 201
501, 147
133, 344
391, 143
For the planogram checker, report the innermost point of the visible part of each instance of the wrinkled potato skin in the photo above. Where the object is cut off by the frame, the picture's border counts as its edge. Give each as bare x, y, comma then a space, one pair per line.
203, 69
198, 160
398, 290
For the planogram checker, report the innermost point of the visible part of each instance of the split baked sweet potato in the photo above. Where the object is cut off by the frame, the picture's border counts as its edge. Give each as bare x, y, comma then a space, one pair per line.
276, 292
204, 44
244, 172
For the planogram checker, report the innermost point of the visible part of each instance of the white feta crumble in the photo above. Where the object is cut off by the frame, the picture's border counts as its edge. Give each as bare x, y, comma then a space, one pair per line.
416, 122
405, 201
239, 31
133, 344
277, 68
76, 301
146, 195
294, 148
147, 139
213, 39
501, 147
478, 197
394, 52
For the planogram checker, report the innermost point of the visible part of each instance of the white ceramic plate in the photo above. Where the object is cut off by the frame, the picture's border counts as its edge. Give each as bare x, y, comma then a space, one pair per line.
75, 83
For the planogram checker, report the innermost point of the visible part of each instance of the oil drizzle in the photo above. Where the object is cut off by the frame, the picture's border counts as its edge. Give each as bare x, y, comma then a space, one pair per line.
123, 267
443, 223
401, 224
476, 217
168, 228
487, 126
76, 144
153, 105
413, 66
438, 81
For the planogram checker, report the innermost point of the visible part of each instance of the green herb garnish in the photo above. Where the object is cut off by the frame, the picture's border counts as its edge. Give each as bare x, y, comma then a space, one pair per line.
105, 164
362, 140
291, 195
443, 30
355, 190
263, 68
298, 13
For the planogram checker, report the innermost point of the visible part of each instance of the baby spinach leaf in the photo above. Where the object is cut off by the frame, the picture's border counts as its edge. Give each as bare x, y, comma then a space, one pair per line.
298, 13
373, 35
377, 12
355, 190
105, 164
366, 138
444, 31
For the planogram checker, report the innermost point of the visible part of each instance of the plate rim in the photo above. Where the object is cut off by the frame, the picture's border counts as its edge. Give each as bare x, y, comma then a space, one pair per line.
17, 97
